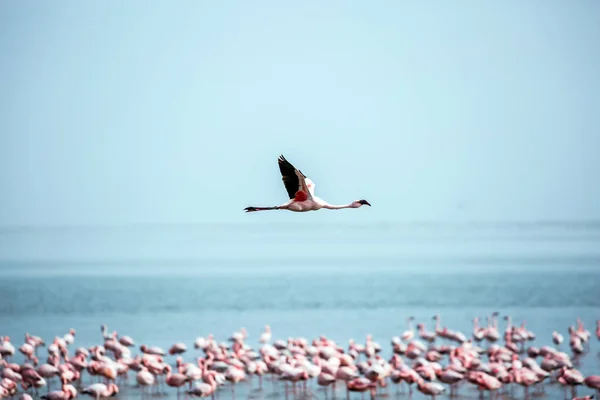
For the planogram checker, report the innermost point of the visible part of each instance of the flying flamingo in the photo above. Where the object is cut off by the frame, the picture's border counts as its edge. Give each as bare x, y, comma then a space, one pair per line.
301, 191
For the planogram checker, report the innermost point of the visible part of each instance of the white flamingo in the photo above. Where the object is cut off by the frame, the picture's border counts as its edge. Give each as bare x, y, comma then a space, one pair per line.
265, 337
301, 191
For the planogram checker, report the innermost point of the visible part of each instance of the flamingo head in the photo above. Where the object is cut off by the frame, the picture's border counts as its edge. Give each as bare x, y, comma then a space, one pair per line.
70, 391
114, 388
360, 203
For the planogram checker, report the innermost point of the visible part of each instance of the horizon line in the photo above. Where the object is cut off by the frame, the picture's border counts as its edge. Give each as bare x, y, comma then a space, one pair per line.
156, 224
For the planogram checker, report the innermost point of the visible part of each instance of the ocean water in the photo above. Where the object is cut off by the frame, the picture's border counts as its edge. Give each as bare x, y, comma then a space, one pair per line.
164, 284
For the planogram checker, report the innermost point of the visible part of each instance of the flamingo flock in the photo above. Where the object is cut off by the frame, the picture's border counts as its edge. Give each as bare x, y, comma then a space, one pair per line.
440, 362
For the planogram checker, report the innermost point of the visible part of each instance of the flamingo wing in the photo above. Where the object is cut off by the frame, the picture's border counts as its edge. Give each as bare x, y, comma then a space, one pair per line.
293, 179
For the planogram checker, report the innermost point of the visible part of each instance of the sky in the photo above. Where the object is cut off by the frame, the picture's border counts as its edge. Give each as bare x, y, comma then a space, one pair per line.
117, 113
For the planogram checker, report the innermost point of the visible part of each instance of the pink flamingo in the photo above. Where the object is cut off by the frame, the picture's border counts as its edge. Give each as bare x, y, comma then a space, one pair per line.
360, 385
424, 334
145, 379
98, 390
491, 333
593, 382
204, 389
67, 392
27, 350
48, 371
430, 388
178, 348
488, 382
478, 332
9, 385
176, 380
570, 377
450, 377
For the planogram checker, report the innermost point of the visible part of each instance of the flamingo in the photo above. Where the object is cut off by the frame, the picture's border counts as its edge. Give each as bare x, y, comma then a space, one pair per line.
126, 341
69, 338
557, 338
425, 335
145, 379
67, 392
409, 333
491, 333
203, 389
265, 337
570, 377
176, 379
360, 385
98, 390
301, 191
6, 347
178, 348
430, 388
593, 382
478, 332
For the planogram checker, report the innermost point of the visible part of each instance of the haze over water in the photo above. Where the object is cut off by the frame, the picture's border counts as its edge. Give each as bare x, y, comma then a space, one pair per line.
163, 284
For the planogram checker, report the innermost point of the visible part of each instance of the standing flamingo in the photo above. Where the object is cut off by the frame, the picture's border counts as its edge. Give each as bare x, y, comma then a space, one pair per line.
265, 337
409, 333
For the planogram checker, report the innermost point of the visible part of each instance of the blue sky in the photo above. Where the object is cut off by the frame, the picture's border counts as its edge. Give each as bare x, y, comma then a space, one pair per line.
142, 112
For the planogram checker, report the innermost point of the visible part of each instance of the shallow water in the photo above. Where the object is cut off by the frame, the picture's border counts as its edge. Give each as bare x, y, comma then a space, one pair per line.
162, 285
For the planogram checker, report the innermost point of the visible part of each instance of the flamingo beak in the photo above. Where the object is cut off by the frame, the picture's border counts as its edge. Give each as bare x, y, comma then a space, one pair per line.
364, 202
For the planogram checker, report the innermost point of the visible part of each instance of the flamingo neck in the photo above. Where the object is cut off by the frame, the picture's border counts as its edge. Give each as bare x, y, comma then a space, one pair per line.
336, 207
